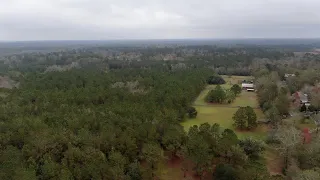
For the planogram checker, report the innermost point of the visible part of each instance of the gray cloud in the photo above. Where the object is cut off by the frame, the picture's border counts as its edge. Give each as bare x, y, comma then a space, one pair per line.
145, 19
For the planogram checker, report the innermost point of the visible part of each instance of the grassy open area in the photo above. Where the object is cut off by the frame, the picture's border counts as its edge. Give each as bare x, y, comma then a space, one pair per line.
223, 113
300, 122
201, 98
244, 99
307, 123
222, 116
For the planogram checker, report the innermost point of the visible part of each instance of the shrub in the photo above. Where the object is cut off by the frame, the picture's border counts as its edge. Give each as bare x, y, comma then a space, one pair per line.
215, 79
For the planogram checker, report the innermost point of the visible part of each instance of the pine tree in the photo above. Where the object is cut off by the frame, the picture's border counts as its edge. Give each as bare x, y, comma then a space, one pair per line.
240, 118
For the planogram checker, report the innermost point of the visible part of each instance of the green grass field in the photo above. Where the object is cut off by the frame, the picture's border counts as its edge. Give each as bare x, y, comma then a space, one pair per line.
223, 116
246, 99
222, 113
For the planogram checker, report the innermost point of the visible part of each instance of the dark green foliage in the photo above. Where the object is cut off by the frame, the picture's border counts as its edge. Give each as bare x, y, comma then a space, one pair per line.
236, 156
198, 151
273, 115
192, 112
251, 118
78, 124
134, 171
225, 172
113, 116
12, 165
173, 139
206, 142
282, 103
215, 79
152, 154
228, 139
312, 108
230, 96
117, 164
303, 108
217, 95
220, 95
267, 89
240, 118
266, 106
236, 89
245, 118
226, 144
253, 148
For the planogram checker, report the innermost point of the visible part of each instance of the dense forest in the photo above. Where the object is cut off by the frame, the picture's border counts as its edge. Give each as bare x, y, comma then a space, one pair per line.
77, 121
115, 112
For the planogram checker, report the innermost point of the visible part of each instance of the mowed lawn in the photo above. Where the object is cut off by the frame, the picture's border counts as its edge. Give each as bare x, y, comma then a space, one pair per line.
223, 116
222, 113
244, 99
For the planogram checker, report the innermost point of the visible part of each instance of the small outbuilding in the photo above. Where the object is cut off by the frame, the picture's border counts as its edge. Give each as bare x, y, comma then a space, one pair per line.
247, 86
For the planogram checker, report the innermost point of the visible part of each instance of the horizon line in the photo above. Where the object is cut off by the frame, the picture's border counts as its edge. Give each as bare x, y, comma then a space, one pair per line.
164, 39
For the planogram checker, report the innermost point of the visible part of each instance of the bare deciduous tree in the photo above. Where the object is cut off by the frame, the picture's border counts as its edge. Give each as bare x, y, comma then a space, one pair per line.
289, 137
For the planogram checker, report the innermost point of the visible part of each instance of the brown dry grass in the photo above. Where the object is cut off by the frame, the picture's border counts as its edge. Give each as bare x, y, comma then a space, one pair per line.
274, 162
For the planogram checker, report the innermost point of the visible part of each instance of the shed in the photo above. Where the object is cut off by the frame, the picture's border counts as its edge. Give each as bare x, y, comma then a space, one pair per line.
247, 86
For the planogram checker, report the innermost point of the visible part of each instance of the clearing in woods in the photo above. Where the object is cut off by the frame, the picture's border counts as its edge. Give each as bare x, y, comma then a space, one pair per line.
223, 113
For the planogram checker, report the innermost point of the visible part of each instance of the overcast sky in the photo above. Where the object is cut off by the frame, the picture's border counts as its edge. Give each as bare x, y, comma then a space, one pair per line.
157, 19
